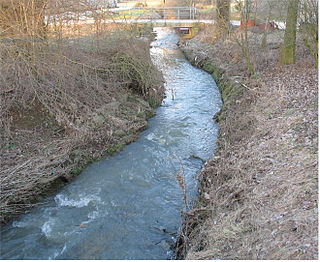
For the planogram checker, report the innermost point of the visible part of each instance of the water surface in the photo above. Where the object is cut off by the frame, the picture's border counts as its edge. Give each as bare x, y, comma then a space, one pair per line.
129, 205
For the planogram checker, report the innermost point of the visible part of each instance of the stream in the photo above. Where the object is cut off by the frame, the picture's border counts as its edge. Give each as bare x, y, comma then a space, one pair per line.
128, 206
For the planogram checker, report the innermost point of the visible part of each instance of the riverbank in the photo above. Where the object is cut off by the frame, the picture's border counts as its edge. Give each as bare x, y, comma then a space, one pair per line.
63, 110
258, 194
132, 199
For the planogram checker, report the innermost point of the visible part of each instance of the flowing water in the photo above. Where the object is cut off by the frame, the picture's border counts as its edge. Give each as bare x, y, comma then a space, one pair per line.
129, 205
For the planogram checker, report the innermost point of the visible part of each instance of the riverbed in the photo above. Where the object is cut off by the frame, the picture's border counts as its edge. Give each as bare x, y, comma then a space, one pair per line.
129, 206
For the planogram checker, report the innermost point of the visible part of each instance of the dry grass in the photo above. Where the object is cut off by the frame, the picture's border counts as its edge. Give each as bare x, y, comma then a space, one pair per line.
67, 100
53, 73
260, 191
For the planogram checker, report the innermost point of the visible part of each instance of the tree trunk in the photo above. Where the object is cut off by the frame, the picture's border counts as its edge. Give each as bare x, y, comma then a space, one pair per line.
223, 17
289, 44
266, 27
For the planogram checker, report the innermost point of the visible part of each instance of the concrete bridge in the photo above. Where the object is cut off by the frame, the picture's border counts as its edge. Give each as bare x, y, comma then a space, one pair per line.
184, 19
174, 12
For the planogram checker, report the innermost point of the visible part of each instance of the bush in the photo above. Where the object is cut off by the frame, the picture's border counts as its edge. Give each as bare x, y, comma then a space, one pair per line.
73, 80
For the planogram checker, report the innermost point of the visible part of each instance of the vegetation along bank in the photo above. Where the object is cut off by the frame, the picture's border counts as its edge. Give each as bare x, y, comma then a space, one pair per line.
258, 194
69, 95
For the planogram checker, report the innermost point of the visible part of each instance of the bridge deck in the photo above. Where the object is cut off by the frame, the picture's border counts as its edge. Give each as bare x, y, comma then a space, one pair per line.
157, 22
164, 12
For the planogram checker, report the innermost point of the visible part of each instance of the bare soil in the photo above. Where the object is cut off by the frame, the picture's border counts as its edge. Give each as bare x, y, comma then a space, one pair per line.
259, 193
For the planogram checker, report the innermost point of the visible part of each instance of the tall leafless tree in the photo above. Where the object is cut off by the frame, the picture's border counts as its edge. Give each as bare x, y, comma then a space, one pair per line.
289, 43
309, 20
223, 17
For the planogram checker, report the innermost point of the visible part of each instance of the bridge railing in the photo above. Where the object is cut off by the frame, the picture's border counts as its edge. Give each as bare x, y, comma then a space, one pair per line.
177, 13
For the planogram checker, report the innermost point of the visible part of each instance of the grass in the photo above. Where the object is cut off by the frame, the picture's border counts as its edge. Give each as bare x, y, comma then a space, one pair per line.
259, 189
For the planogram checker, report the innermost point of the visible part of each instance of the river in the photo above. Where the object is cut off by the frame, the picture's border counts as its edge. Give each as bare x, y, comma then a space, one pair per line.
128, 206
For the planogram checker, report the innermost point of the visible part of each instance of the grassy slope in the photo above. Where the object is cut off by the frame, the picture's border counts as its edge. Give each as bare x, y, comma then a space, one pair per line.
46, 142
259, 192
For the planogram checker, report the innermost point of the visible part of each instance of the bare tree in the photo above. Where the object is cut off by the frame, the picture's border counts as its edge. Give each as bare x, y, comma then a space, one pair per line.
267, 11
266, 27
289, 43
309, 18
242, 37
223, 17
